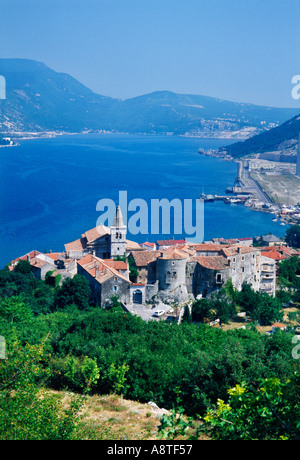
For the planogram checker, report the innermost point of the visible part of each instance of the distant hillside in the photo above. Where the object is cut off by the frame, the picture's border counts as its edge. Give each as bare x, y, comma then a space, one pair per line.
165, 111
280, 143
40, 99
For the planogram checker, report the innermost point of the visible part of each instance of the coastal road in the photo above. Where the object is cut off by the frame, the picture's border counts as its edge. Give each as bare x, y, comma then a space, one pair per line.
251, 185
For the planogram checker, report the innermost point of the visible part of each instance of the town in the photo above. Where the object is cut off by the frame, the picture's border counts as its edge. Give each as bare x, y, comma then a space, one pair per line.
150, 278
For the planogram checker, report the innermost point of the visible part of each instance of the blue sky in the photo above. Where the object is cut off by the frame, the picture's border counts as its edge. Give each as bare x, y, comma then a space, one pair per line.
240, 50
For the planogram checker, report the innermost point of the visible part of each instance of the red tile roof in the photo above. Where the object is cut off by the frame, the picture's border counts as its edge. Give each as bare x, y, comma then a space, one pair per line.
98, 269
213, 262
116, 264
273, 255
95, 233
144, 257
29, 255
170, 242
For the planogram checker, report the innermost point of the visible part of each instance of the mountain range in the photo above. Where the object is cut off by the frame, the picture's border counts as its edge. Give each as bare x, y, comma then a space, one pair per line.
41, 100
277, 144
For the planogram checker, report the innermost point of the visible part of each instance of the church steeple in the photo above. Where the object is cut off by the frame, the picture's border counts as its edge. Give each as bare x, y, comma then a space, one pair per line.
118, 219
118, 235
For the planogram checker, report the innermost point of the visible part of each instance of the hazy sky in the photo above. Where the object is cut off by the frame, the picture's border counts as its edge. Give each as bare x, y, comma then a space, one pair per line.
240, 50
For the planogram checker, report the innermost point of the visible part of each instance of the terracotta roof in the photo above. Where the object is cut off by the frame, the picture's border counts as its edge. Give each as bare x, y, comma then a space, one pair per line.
38, 263
191, 251
144, 257
213, 262
29, 255
235, 250
116, 264
77, 245
95, 233
207, 247
54, 255
170, 242
273, 255
98, 269
173, 254
132, 245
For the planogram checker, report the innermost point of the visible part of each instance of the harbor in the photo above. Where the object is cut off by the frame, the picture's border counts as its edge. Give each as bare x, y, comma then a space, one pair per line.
249, 190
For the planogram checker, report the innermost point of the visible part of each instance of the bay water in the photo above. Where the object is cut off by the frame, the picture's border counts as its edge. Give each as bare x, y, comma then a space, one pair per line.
49, 188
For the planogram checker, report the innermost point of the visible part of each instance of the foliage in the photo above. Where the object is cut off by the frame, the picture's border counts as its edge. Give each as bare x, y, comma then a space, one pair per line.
74, 291
201, 310
133, 271
271, 412
27, 411
116, 376
23, 266
82, 373
186, 317
14, 309
222, 306
175, 425
259, 306
292, 236
104, 351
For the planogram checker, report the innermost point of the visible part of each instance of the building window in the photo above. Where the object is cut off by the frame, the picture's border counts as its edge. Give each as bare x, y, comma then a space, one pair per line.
219, 278
115, 288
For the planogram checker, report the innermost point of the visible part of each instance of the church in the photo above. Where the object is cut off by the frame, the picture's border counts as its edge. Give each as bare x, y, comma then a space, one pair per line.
103, 242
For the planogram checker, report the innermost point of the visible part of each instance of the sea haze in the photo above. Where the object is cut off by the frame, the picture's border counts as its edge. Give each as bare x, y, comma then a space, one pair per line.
49, 188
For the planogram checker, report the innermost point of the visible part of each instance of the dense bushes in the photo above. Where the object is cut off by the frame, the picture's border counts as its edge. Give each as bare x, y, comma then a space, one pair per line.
111, 351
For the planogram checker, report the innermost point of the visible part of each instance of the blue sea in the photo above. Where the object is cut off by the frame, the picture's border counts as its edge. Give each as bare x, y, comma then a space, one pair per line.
49, 188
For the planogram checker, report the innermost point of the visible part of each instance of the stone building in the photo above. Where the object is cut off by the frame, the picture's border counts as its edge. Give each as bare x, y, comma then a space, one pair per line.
106, 279
193, 271
102, 241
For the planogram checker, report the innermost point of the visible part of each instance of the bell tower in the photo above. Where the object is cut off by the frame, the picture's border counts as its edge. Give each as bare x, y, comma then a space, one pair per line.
118, 235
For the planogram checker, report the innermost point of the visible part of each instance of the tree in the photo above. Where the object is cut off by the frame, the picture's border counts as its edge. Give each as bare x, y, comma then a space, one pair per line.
23, 266
224, 309
201, 310
133, 271
268, 310
186, 317
176, 424
272, 412
247, 299
116, 376
83, 373
74, 291
292, 236
27, 411
14, 309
